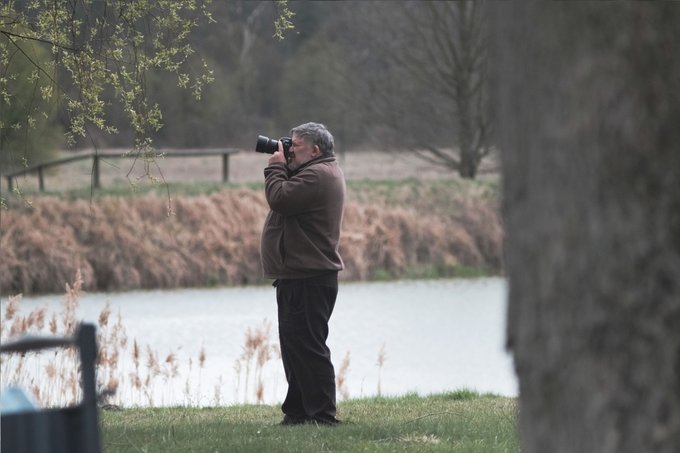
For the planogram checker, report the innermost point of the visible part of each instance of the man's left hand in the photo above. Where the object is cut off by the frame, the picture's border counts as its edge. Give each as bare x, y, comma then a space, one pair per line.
278, 156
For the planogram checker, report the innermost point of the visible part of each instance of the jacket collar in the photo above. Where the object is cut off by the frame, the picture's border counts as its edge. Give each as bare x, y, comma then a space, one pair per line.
318, 160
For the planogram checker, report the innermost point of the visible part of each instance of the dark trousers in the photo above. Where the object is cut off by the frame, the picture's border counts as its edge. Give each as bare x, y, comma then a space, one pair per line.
304, 308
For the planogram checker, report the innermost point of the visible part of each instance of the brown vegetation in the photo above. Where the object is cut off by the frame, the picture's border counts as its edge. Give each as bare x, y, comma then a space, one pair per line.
128, 373
257, 348
421, 229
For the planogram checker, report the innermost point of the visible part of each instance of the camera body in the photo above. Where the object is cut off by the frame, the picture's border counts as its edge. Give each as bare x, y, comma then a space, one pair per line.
270, 146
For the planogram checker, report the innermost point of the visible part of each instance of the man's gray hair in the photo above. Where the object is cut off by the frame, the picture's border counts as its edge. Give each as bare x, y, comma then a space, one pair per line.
316, 134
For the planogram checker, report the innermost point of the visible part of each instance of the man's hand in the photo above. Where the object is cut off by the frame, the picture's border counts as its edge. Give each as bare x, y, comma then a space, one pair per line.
278, 156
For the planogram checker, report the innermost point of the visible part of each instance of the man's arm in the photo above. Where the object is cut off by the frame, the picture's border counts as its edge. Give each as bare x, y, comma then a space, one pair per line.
289, 196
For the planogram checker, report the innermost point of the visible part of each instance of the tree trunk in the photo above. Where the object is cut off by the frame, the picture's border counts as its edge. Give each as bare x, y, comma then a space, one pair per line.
468, 71
588, 106
469, 160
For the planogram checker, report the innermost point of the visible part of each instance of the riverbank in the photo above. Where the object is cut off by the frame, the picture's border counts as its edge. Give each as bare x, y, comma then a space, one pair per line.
458, 421
207, 234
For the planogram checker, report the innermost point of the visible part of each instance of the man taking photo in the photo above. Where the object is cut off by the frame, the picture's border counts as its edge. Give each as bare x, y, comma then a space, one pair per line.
299, 251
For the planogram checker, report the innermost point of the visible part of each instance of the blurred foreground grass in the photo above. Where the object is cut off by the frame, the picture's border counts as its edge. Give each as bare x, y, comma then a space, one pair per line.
460, 421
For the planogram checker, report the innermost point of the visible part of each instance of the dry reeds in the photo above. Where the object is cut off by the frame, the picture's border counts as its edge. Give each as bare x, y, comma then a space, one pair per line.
53, 376
406, 233
341, 378
215, 239
210, 240
61, 366
257, 350
380, 362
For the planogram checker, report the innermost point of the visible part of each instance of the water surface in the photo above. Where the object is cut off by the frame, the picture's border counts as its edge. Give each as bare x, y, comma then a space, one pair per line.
436, 335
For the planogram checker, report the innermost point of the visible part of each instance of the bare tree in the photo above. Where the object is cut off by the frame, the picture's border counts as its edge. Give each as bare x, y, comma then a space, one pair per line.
425, 79
588, 115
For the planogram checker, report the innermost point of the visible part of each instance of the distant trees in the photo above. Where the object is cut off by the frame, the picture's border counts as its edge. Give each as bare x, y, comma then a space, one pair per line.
389, 75
266, 85
427, 80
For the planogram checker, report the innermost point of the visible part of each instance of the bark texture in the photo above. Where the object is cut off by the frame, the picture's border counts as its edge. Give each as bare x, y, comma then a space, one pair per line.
588, 104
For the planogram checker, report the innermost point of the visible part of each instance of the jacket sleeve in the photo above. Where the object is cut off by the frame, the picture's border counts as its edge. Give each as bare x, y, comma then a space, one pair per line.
290, 196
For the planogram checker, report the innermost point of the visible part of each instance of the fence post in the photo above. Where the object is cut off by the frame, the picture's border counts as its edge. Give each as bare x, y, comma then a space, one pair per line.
95, 169
9, 184
41, 180
225, 167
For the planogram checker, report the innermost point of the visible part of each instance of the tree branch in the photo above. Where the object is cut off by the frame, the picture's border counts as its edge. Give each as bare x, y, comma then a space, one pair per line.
11, 35
36, 65
440, 157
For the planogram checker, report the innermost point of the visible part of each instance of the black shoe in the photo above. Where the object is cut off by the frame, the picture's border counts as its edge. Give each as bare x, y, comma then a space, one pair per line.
291, 421
326, 421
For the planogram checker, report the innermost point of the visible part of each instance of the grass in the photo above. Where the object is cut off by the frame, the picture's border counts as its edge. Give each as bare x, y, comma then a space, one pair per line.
162, 190
392, 192
460, 421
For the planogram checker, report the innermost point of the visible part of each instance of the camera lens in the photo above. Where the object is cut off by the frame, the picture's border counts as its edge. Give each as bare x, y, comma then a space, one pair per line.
266, 145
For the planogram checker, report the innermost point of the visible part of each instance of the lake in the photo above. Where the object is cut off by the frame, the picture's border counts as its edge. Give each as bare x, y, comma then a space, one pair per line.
433, 335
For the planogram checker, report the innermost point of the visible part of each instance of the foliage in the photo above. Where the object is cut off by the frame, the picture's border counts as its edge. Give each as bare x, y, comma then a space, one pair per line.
28, 127
283, 22
100, 52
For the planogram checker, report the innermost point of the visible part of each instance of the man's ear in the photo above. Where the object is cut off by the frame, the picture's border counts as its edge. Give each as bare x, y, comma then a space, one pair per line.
316, 152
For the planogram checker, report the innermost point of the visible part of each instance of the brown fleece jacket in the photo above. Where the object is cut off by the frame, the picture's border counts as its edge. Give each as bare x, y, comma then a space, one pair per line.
302, 231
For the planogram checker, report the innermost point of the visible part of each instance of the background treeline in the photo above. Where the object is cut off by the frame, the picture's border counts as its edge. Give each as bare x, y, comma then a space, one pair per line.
334, 67
352, 65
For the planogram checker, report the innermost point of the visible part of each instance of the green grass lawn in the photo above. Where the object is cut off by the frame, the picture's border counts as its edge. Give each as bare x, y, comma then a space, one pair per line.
454, 422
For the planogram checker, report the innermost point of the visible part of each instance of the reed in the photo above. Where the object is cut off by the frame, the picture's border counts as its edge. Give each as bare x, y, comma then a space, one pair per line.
380, 363
53, 376
389, 231
258, 350
341, 378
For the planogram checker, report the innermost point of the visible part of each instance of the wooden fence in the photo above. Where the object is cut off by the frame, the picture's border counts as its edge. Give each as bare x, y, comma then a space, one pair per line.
97, 156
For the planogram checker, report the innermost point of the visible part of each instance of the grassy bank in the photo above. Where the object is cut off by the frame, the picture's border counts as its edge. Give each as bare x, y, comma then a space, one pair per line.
208, 234
455, 422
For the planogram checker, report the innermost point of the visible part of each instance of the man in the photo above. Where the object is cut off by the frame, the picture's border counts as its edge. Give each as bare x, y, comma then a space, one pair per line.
300, 252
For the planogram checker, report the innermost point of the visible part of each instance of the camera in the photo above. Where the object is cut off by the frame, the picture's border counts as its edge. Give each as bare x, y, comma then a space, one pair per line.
270, 146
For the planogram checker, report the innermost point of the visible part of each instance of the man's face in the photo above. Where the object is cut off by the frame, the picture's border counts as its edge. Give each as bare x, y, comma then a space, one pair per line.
302, 152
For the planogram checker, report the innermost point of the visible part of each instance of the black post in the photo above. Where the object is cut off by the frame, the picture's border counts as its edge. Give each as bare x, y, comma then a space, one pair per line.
73, 429
9, 184
87, 343
41, 180
225, 167
95, 170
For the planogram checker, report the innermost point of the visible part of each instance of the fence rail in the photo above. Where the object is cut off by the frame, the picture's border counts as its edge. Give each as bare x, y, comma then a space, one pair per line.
97, 156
